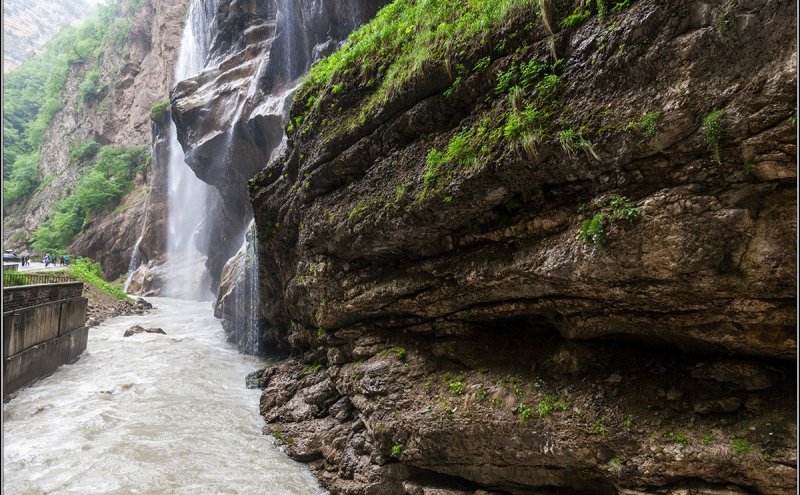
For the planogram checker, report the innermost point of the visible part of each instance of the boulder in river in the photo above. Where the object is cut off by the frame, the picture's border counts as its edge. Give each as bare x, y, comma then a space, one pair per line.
138, 329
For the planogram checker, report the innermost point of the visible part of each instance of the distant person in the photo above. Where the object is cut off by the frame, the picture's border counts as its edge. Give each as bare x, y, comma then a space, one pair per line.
66, 260
62, 260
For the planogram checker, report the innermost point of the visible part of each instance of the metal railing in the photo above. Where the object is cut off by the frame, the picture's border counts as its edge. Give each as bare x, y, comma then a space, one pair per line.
13, 279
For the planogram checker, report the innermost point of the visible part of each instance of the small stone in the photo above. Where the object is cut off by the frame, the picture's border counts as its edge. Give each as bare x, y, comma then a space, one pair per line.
703, 407
753, 404
255, 380
614, 378
674, 394
729, 404
752, 428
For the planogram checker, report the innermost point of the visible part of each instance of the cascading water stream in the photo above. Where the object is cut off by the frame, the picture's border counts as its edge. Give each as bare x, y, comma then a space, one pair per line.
188, 196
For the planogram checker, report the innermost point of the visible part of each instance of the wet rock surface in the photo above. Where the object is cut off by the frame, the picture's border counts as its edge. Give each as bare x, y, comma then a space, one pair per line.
394, 420
136, 329
230, 117
103, 306
470, 340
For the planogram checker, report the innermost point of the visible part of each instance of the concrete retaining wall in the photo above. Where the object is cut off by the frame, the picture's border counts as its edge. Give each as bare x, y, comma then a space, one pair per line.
38, 339
32, 295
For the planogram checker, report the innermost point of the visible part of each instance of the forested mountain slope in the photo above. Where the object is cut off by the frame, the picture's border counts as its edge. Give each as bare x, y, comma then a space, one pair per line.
29, 24
77, 132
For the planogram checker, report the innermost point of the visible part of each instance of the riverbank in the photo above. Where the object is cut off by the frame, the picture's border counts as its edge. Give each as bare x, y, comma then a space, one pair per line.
103, 306
149, 414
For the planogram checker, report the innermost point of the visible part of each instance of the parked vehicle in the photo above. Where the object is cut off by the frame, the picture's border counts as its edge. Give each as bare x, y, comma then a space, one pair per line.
10, 257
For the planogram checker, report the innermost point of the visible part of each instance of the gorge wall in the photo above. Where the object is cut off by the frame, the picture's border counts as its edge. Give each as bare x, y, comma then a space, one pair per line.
230, 117
138, 74
524, 250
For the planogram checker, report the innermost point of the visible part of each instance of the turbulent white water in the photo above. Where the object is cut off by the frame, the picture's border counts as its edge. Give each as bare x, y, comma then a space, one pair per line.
148, 414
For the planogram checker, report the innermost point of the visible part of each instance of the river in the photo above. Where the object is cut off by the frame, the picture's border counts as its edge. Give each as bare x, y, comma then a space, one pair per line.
148, 414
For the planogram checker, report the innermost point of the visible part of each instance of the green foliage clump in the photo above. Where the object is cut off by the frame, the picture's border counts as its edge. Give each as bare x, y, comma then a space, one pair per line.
23, 180
92, 88
679, 438
599, 426
584, 12
724, 23
158, 110
405, 39
522, 75
741, 446
90, 272
593, 230
601, 7
548, 87
101, 185
525, 412
572, 140
712, 132
312, 368
550, 404
80, 151
646, 125
576, 18
397, 449
456, 387
622, 210
621, 5
520, 124
482, 64
465, 149
363, 205
400, 352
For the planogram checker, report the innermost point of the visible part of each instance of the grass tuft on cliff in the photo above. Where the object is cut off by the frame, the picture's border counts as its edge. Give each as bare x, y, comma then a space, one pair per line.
405, 37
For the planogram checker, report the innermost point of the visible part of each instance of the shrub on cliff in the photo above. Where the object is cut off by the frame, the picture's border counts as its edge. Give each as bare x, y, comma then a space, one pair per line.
89, 271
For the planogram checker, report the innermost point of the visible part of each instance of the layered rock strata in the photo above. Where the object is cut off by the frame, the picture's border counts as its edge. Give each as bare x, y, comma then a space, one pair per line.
599, 309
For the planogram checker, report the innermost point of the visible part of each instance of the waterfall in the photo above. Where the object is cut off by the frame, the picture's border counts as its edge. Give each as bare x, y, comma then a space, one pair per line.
247, 306
188, 196
245, 66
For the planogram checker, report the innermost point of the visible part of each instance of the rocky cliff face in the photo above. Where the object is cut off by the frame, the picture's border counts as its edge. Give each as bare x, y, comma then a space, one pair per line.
231, 116
581, 282
139, 76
